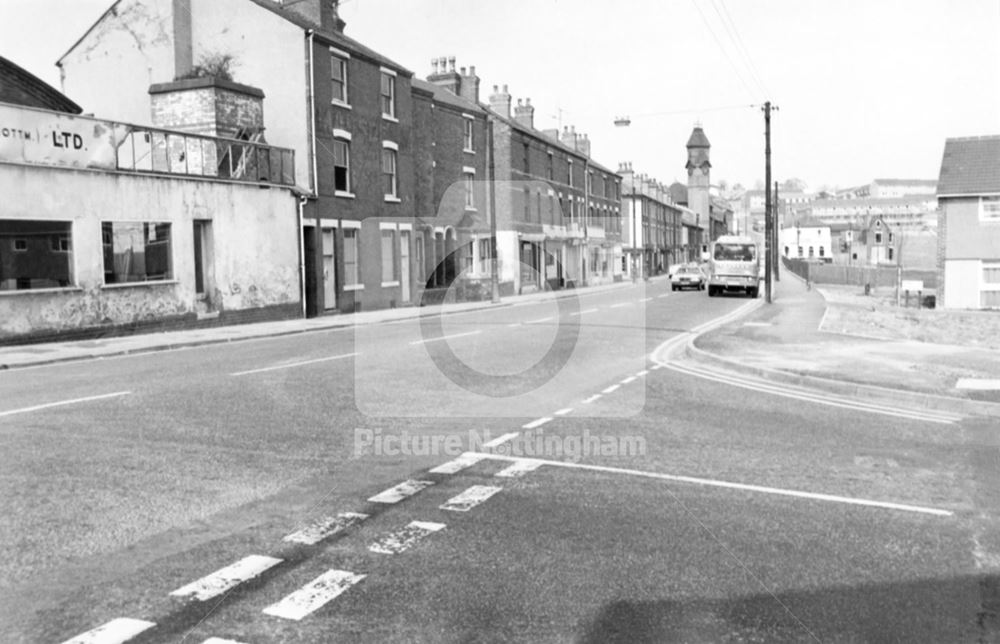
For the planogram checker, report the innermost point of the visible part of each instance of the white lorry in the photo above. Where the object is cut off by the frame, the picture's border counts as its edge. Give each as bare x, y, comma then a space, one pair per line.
733, 266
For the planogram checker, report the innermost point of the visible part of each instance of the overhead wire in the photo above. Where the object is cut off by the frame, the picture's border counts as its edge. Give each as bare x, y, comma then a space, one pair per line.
730, 24
718, 42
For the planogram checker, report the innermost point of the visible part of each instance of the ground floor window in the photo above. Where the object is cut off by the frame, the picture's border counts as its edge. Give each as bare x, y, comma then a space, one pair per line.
485, 255
352, 274
35, 254
388, 256
136, 251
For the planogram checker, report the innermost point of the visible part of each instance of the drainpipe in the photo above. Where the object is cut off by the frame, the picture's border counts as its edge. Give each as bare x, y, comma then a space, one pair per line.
302, 256
310, 34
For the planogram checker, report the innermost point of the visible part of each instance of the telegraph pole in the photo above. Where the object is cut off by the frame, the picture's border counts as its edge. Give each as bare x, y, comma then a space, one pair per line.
492, 207
777, 235
768, 215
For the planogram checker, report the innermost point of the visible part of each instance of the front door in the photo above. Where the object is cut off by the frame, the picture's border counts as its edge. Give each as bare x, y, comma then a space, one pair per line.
329, 272
309, 247
404, 264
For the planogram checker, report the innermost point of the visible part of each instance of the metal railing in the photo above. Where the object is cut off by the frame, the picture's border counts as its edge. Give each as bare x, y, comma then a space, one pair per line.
147, 149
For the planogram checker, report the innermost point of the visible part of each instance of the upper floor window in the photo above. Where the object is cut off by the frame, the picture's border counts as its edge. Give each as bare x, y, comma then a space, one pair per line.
388, 94
469, 177
389, 179
341, 162
468, 141
989, 209
338, 78
526, 160
569, 172
551, 171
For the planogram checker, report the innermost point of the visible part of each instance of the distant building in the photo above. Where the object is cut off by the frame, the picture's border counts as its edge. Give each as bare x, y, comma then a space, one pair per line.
969, 227
652, 234
808, 240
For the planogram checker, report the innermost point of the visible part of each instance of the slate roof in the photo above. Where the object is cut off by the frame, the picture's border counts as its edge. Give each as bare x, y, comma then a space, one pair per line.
698, 139
446, 97
20, 87
970, 166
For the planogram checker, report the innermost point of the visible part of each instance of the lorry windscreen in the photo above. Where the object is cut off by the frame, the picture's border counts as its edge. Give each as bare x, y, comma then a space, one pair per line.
734, 252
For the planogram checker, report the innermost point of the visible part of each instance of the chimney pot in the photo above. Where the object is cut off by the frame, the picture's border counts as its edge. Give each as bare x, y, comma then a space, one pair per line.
472, 70
462, 70
451, 63
519, 102
504, 89
496, 89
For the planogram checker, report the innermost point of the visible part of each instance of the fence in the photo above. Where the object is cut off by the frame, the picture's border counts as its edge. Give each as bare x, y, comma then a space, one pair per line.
875, 276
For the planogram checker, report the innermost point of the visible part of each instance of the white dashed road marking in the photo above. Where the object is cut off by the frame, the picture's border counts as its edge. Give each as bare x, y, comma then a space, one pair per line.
610, 389
646, 299
314, 595
323, 528
229, 577
114, 632
538, 422
591, 399
293, 364
628, 380
457, 464
548, 319
399, 492
563, 412
664, 295
644, 372
500, 440
620, 305
23, 410
219, 640
470, 498
401, 540
519, 468
584, 312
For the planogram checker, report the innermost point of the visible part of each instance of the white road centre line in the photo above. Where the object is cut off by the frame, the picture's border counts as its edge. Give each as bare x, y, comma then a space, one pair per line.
519, 468
397, 542
116, 631
620, 305
664, 295
457, 464
447, 337
655, 367
73, 401
314, 595
323, 528
646, 299
628, 380
538, 422
292, 365
399, 492
644, 372
587, 401
510, 326
814, 496
500, 440
563, 412
610, 389
539, 321
470, 498
219, 640
226, 578
583, 312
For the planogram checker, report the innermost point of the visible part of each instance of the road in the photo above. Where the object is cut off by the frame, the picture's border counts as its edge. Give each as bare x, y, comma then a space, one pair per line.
603, 495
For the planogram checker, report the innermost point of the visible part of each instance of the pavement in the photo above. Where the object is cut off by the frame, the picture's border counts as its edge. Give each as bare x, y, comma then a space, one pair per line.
786, 342
783, 341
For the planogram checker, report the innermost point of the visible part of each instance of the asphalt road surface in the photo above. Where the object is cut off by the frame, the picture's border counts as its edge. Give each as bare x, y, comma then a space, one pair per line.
527, 473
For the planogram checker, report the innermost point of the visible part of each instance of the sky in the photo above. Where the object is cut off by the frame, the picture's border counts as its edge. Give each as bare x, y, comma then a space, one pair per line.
864, 89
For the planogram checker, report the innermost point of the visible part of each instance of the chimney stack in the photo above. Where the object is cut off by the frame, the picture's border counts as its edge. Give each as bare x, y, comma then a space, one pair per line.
324, 13
525, 113
449, 80
469, 86
500, 101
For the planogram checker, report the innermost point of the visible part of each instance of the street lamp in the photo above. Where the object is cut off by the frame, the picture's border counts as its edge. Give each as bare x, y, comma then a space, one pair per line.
625, 121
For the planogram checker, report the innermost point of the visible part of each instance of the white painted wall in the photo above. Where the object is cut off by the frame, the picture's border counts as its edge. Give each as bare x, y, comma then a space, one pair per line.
109, 72
255, 249
270, 54
962, 282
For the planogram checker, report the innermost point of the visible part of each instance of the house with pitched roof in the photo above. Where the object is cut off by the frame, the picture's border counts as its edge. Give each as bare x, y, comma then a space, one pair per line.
346, 111
969, 224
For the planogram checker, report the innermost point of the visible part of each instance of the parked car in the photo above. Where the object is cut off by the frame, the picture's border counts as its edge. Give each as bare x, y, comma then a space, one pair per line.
687, 277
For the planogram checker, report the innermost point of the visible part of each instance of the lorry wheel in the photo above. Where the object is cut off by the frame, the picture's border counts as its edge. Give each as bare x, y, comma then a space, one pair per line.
711, 291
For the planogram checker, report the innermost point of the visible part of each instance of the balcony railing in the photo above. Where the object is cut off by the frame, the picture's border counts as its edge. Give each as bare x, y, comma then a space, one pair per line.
146, 149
